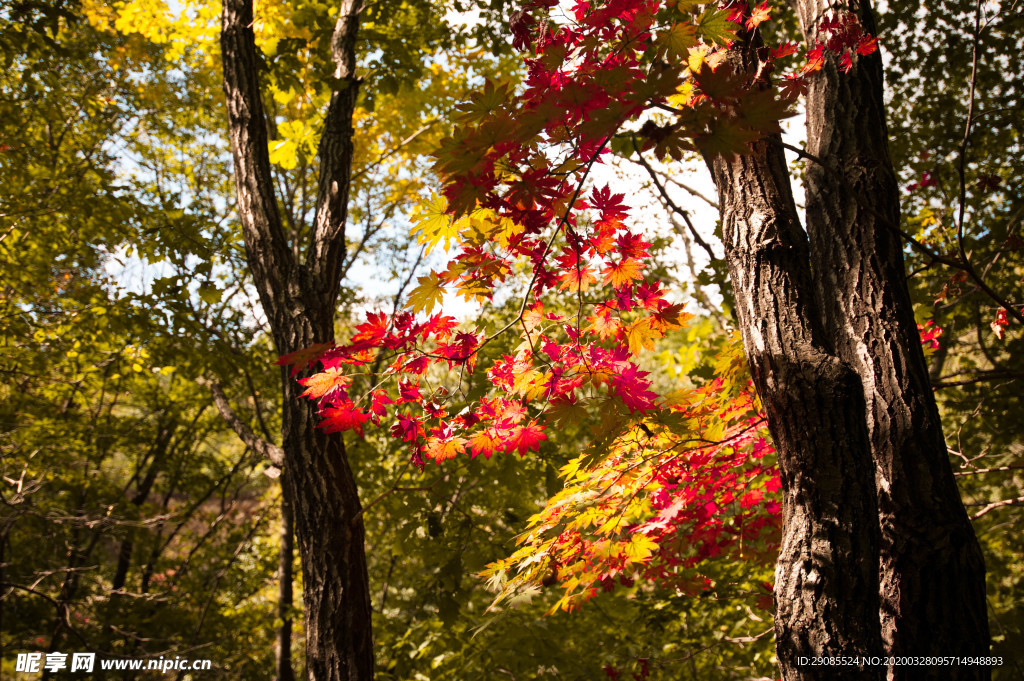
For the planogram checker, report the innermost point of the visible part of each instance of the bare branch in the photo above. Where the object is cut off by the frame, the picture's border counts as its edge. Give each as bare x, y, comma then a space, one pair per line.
956, 263
1019, 501
672, 205
267, 449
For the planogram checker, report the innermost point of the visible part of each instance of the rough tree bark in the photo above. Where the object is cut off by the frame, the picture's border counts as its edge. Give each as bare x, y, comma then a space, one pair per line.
838, 363
932, 572
285, 581
814, 406
299, 299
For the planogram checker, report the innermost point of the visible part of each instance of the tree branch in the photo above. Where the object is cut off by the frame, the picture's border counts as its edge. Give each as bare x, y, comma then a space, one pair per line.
960, 264
267, 449
1019, 501
327, 250
672, 205
269, 256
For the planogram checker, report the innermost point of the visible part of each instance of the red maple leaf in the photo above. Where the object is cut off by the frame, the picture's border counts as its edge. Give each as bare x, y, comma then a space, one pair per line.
522, 439
372, 332
345, 416
300, 359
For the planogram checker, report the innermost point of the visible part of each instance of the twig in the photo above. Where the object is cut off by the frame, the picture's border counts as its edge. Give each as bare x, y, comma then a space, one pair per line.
672, 205
1019, 501
962, 265
267, 449
979, 471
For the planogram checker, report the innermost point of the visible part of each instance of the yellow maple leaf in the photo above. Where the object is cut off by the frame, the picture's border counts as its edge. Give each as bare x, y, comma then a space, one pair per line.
428, 294
435, 224
640, 548
641, 336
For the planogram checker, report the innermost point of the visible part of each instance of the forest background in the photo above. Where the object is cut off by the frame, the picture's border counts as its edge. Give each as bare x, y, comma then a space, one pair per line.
136, 523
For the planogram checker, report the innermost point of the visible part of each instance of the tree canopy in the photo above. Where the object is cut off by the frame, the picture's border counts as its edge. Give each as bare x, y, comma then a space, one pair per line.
532, 416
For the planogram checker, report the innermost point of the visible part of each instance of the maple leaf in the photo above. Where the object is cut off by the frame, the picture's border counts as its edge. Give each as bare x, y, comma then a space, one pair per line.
720, 83
930, 333
784, 50
761, 111
999, 324
525, 438
406, 428
566, 412
300, 359
528, 382
378, 404
640, 548
408, 391
727, 138
759, 15
641, 336
327, 384
671, 317
373, 330
815, 59
345, 416
439, 326
622, 273
485, 442
676, 41
867, 45
435, 224
604, 324
632, 388
577, 279
485, 101
428, 294
440, 449
715, 26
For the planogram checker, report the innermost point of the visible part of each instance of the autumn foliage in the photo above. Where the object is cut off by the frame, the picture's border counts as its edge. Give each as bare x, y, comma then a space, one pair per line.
668, 480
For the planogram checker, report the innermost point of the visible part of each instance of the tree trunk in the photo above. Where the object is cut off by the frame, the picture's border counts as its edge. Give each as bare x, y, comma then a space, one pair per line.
932, 573
299, 299
826, 581
285, 599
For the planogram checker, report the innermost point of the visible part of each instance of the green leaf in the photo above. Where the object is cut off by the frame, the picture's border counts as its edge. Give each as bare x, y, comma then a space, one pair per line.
714, 26
676, 41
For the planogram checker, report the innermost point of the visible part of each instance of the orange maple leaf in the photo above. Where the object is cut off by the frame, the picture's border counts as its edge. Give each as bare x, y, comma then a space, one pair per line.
441, 450
603, 324
577, 280
759, 15
622, 273
327, 383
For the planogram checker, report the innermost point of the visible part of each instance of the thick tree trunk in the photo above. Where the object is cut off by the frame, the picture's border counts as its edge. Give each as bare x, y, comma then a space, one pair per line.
826, 582
299, 300
330, 536
932, 572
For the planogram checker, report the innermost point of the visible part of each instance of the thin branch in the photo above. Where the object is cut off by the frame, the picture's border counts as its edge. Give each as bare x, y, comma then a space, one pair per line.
962, 265
267, 449
979, 377
672, 205
1019, 501
979, 471
547, 248
395, 149
962, 161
